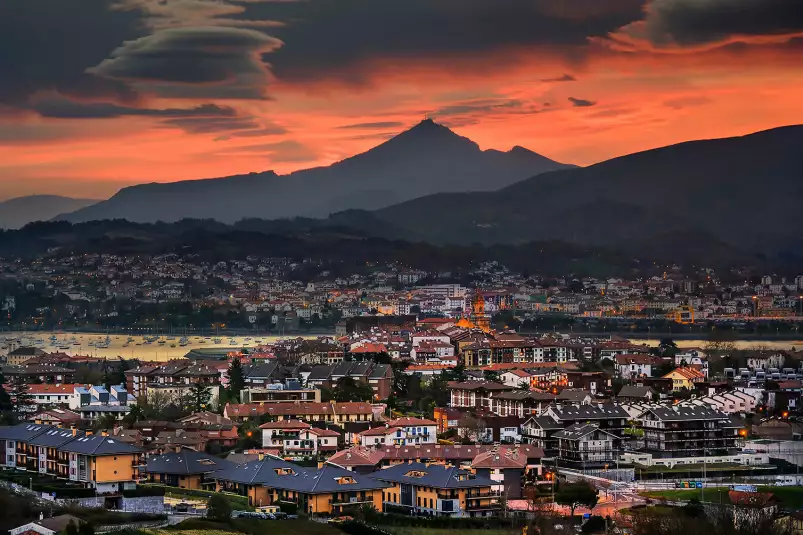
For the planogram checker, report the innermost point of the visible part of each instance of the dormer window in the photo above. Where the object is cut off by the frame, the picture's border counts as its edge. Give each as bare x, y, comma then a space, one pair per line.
346, 480
415, 473
284, 472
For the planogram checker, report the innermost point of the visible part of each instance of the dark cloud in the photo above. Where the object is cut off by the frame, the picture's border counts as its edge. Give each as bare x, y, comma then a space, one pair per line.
49, 44
286, 151
219, 59
211, 125
564, 78
269, 129
61, 108
698, 22
335, 38
581, 103
368, 126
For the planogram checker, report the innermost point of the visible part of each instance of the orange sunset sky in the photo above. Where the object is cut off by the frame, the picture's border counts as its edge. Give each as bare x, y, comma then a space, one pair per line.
100, 94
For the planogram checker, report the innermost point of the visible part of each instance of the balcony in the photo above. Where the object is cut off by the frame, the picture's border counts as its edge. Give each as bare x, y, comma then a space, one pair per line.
482, 506
480, 495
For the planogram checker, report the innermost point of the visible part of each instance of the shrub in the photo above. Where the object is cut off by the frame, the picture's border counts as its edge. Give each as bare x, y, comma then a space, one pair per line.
595, 524
218, 508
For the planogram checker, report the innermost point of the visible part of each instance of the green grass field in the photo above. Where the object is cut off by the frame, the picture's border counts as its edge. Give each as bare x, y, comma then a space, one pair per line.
791, 497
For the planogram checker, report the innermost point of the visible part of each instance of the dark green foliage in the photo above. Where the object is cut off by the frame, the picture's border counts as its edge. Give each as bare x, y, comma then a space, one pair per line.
218, 508
236, 379
595, 524
574, 495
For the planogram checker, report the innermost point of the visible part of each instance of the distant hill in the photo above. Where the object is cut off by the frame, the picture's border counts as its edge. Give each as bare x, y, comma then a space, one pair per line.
18, 212
426, 159
740, 194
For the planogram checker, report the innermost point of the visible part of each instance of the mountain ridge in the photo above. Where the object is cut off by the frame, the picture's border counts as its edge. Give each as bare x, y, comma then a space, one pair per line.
427, 158
19, 211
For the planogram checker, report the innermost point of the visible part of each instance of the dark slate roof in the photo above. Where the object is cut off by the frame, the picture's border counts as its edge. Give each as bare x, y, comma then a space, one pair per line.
586, 412
545, 422
435, 475
688, 413
185, 461
379, 371
573, 394
23, 432
631, 391
99, 445
262, 370
299, 479
55, 437
578, 431
320, 373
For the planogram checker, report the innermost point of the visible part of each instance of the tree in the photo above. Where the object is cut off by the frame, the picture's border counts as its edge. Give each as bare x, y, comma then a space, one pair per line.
218, 508
107, 421
490, 375
236, 379
573, 495
523, 386
71, 528
134, 415
21, 398
198, 397
85, 528
471, 429
347, 389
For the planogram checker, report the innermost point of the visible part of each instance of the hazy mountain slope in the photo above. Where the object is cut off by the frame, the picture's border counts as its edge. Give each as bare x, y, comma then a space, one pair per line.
426, 159
18, 212
744, 191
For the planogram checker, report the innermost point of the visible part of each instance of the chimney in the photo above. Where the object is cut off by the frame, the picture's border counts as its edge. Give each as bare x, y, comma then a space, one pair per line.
74, 430
104, 433
89, 433
41, 515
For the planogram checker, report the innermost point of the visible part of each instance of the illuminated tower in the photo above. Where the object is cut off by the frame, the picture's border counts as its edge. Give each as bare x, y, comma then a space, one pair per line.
478, 315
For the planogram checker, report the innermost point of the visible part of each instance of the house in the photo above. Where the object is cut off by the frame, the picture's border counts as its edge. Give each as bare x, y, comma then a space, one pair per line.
46, 526
184, 468
438, 490
56, 417
540, 431
631, 393
687, 434
575, 396
420, 430
474, 394
332, 412
684, 378
298, 439
44, 395
630, 366
94, 401
21, 355
508, 466
330, 490
611, 418
520, 403
586, 445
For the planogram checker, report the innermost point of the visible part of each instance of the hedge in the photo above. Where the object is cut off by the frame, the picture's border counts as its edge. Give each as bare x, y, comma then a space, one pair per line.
143, 492
439, 522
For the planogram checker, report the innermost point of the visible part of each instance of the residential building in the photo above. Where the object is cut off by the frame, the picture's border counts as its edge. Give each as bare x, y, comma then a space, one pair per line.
401, 432
684, 378
632, 366
278, 393
586, 445
298, 439
94, 401
184, 468
46, 526
330, 490
474, 394
332, 412
688, 434
520, 403
438, 490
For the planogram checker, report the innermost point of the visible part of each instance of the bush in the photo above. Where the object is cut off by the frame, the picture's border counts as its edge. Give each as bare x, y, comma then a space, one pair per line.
104, 517
595, 524
288, 507
218, 508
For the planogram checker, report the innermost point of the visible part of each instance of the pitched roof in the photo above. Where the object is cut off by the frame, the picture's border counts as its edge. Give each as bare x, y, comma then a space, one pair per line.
185, 461
99, 445
286, 424
687, 412
275, 473
358, 456
631, 391
410, 421
686, 373
503, 457
24, 431
434, 475
578, 431
55, 437
300, 409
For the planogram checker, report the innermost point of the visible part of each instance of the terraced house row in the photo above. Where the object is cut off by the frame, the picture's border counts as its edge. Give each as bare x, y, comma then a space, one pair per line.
96, 461
332, 489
